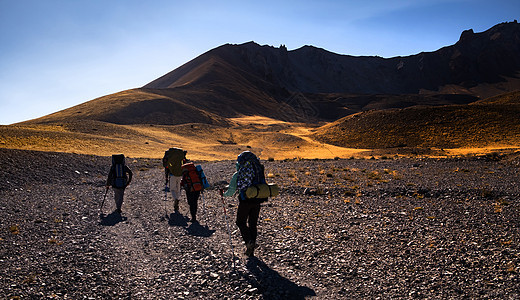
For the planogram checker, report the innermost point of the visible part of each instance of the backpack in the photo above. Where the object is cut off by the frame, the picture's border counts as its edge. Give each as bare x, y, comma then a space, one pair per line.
118, 165
172, 160
191, 177
205, 183
258, 189
258, 168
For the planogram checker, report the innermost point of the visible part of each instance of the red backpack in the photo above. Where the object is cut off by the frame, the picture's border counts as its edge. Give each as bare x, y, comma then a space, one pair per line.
190, 177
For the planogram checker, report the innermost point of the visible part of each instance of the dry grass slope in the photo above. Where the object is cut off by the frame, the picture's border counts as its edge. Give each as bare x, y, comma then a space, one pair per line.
481, 127
491, 123
267, 137
135, 106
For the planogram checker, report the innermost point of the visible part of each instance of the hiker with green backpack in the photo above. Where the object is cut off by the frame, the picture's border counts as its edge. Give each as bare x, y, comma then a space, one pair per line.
119, 177
247, 181
172, 162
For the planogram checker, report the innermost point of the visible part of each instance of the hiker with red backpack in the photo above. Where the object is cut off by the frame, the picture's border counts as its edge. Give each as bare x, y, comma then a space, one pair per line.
249, 173
119, 177
193, 183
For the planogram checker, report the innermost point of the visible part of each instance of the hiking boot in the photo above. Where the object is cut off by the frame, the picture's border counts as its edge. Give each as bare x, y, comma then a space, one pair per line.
250, 249
176, 205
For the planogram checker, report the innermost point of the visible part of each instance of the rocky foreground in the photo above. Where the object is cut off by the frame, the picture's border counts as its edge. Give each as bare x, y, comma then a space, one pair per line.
405, 228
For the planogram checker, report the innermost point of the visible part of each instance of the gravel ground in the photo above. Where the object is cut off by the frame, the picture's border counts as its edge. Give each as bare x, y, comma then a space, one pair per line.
406, 228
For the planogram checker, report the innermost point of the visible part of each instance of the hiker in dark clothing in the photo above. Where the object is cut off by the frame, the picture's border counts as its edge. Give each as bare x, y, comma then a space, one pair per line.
119, 177
249, 172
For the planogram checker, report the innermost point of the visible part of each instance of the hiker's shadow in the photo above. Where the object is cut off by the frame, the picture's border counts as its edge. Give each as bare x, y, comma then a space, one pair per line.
176, 219
270, 283
196, 229
111, 219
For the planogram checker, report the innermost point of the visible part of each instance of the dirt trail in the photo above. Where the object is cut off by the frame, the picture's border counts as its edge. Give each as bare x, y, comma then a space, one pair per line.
162, 251
163, 254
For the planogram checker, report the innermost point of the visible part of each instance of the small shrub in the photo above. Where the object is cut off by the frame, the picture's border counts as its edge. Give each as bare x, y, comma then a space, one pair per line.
374, 175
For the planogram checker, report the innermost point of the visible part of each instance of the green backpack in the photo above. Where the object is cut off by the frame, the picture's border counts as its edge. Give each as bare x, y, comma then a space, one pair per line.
172, 160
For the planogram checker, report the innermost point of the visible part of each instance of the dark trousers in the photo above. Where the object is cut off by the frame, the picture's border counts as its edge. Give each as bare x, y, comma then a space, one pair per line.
193, 198
247, 220
118, 197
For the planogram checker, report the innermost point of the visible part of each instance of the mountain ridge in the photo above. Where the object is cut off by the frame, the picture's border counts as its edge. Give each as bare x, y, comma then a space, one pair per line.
473, 59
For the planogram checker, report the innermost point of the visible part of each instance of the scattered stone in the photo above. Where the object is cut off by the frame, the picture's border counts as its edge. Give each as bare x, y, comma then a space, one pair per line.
418, 229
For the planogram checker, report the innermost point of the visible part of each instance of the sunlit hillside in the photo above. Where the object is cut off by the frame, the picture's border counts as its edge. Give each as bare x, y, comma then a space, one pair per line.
267, 137
489, 123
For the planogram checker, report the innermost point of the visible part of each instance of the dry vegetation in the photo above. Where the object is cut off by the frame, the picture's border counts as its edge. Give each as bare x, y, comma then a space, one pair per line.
267, 137
490, 125
493, 124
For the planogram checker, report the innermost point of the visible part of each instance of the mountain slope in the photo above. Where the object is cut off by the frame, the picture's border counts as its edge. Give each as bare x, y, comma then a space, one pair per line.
137, 106
268, 99
493, 122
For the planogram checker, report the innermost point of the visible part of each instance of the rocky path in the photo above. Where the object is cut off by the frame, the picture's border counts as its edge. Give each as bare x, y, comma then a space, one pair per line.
340, 229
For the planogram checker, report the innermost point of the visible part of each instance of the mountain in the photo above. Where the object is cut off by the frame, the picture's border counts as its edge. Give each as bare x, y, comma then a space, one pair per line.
307, 103
310, 84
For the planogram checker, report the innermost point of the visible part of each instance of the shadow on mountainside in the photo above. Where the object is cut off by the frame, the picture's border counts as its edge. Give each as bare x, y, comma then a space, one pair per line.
270, 283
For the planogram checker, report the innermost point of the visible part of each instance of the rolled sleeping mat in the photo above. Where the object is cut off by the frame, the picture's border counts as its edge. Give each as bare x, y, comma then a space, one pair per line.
262, 190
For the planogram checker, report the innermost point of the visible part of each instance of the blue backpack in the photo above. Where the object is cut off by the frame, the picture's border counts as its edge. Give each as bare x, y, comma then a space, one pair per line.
205, 183
118, 163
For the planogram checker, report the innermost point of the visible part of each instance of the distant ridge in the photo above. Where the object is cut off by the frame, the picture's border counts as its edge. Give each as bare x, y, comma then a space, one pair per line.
477, 58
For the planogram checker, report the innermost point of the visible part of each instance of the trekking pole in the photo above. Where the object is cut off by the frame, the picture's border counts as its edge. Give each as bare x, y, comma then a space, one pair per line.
203, 207
227, 226
166, 197
203, 203
103, 202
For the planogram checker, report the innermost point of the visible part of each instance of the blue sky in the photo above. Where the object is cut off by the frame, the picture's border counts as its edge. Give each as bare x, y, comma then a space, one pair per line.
55, 54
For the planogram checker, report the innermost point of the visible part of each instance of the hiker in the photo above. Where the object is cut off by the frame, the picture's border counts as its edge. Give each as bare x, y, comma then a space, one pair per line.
119, 177
249, 172
192, 184
172, 162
